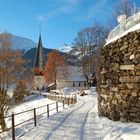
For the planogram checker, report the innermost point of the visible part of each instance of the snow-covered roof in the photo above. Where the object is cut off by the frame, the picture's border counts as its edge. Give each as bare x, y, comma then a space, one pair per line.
51, 84
74, 74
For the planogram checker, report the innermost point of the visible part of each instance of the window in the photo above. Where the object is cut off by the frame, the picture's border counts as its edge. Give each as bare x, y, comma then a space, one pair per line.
84, 84
79, 84
73, 84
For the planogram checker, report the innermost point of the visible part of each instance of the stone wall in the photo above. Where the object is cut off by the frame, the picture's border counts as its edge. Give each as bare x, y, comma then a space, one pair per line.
119, 85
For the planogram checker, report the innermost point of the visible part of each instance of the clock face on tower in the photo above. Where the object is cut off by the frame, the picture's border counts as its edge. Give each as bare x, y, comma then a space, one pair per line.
39, 82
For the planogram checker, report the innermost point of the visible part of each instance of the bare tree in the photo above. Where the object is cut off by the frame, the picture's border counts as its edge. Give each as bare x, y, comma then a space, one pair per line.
87, 43
123, 7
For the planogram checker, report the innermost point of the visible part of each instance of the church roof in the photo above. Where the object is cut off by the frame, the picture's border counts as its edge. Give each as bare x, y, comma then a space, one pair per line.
39, 55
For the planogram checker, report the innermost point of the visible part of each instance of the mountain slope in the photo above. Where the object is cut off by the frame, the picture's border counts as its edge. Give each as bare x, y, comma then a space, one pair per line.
30, 47
22, 43
30, 57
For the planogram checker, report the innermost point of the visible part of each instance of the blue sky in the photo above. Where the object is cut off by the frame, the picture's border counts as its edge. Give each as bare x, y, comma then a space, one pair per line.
60, 20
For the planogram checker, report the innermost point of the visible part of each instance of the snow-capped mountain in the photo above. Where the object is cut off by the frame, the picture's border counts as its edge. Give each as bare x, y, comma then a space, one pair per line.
65, 48
75, 51
22, 43
29, 47
71, 50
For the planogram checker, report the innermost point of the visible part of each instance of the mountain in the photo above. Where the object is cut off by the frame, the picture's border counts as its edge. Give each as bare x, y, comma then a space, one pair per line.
72, 54
30, 57
30, 47
65, 48
70, 50
22, 43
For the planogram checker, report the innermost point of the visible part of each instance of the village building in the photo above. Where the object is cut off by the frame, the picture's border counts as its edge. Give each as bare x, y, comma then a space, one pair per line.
39, 79
74, 78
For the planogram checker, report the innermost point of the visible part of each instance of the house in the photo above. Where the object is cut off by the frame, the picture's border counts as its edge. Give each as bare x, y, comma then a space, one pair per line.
74, 78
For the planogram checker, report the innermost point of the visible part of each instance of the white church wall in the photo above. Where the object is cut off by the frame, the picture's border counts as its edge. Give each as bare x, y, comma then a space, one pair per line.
78, 84
74, 78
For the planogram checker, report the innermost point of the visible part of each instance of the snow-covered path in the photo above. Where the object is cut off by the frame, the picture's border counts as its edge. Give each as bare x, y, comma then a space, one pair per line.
79, 122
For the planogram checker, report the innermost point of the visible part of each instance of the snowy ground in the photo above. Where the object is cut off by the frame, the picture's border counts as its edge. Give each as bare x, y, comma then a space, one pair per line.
70, 91
66, 91
81, 122
33, 101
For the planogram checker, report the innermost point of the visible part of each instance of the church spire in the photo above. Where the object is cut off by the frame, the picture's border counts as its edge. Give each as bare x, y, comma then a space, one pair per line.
39, 56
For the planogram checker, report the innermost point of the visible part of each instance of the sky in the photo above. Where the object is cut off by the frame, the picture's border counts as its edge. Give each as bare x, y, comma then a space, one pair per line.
58, 20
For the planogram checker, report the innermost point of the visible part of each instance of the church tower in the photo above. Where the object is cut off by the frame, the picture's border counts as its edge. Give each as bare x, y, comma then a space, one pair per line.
39, 79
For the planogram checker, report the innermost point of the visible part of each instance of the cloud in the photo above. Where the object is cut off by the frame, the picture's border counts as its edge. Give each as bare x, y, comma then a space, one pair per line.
68, 6
94, 10
46, 17
41, 18
66, 9
61, 7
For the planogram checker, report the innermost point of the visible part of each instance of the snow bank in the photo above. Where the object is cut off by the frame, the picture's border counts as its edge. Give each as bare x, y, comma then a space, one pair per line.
69, 90
134, 28
120, 131
66, 91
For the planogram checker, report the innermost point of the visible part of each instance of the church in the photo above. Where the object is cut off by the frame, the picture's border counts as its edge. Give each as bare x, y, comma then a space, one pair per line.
39, 79
75, 77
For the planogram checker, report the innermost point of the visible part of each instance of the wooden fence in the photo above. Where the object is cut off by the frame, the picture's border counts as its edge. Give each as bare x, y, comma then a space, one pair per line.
69, 99
63, 100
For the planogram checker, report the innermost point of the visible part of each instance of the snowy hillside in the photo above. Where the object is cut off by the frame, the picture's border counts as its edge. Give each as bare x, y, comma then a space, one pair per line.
22, 43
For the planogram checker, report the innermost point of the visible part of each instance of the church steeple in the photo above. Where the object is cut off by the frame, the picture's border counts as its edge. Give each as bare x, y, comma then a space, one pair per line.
39, 56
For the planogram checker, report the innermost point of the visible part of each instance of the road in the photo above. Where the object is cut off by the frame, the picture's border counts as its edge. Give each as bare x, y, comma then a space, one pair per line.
79, 122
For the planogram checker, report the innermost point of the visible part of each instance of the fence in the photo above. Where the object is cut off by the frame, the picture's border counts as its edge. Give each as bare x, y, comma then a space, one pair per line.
34, 113
69, 99
124, 26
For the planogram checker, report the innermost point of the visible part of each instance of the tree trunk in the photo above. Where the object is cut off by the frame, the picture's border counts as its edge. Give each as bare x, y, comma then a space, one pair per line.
2, 121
